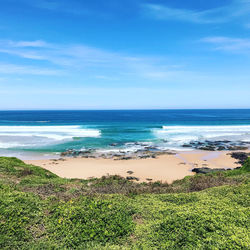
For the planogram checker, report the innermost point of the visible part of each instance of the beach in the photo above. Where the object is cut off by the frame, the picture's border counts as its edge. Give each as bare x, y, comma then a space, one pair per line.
149, 145
165, 168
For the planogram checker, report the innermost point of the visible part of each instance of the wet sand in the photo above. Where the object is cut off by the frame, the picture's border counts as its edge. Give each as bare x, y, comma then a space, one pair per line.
166, 168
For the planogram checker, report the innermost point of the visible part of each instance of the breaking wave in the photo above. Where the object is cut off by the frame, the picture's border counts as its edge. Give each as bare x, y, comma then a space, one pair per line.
178, 135
21, 136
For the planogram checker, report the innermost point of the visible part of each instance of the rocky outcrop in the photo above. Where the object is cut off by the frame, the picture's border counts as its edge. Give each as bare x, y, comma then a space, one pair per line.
240, 156
146, 152
217, 145
206, 170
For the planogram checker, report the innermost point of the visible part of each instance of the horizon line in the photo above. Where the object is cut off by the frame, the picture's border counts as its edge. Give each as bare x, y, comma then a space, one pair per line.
142, 109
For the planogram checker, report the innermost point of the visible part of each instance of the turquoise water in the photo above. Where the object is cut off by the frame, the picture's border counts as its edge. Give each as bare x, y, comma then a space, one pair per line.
46, 132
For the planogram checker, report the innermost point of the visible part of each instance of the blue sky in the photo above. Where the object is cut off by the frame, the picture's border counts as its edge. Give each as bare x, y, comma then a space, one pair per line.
122, 54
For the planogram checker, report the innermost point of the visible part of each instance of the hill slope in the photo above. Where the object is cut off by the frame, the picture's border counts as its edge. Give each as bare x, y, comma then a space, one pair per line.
40, 210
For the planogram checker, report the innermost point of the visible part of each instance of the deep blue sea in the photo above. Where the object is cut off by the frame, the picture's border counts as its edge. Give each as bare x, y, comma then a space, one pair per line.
49, 132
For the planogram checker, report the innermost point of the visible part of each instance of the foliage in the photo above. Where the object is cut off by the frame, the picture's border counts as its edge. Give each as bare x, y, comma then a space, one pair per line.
12, 165
39, 210
206, 220
20, 215
246, 166
88, 219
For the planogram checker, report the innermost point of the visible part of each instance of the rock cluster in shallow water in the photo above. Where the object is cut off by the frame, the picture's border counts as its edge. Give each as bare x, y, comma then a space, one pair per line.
217, 145
147, 152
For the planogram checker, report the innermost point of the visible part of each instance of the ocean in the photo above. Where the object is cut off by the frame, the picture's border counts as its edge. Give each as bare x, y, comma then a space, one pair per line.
46, 133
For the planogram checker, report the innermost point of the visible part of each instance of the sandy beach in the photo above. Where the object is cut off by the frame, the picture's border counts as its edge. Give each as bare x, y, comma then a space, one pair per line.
166, 168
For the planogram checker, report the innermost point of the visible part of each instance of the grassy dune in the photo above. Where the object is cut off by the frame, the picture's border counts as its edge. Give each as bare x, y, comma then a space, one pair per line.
40, 210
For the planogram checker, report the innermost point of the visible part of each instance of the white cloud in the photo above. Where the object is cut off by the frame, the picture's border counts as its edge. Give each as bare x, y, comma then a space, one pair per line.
64, 6
74, 55
229, 44
92, 64
215, 15
84, 59
37, 44
24, 54
27, 70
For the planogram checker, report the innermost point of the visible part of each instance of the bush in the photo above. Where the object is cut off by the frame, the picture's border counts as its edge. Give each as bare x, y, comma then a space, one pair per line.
200, 228
246, 166
39, 210
14, 166
201, 182
214, 219
20, 214
89, 219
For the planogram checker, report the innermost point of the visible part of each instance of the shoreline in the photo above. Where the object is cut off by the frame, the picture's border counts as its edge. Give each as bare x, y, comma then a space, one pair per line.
165, 168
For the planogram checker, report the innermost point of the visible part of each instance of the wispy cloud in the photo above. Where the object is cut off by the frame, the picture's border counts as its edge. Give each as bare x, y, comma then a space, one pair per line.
88, 63
238, 45
24, 54
215, 15
6, 68
65, 6
36, 44
81, 58
65, 55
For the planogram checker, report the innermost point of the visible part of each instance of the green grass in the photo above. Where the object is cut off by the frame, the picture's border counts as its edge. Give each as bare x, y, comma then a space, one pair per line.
39, 210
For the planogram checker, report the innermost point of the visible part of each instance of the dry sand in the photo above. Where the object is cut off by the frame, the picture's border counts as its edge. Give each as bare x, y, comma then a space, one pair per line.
164, 168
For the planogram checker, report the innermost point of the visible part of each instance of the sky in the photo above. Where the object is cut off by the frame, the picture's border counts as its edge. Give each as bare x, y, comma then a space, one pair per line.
124, 54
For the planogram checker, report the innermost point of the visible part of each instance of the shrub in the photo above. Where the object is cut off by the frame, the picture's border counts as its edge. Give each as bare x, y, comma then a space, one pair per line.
39, 210
19, 212
180, 199
201, 182
246, 166
214, 219
14, 166
200, 228
90, 219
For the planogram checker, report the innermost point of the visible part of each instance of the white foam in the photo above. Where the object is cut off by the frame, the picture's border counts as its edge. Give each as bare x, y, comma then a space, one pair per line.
11, 145
119, 150
179, 135
217, 128
54, 132
172, 148
19, 136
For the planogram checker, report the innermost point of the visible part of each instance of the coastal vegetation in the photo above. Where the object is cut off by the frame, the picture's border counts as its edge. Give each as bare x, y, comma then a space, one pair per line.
41, 210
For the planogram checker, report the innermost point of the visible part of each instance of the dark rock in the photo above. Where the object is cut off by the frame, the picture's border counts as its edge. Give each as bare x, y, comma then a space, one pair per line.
220, 148
240, 156
219, 145
237, 148
144, 156
207, 148
132, 178
206, 170
61, 159
124, 158
130, 172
